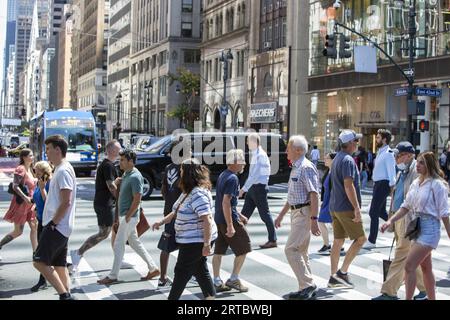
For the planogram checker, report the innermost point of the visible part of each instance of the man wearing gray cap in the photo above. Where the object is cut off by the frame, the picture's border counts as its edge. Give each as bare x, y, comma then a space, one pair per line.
406, 165
345, 204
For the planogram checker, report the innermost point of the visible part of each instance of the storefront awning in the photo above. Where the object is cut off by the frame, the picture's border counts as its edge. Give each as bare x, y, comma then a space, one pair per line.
375, 124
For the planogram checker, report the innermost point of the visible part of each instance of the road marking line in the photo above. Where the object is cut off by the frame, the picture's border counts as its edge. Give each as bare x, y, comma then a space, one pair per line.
254, 292
92, 290
285, 268
141, 267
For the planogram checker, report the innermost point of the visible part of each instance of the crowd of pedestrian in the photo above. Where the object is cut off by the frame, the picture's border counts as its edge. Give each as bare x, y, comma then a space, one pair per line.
44, 196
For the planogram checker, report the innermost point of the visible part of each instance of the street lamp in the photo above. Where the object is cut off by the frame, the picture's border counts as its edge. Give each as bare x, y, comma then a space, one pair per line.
118, 126
225, 58
149, 88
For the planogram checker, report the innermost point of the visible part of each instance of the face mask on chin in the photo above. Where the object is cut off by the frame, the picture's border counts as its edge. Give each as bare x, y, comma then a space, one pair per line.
401, 166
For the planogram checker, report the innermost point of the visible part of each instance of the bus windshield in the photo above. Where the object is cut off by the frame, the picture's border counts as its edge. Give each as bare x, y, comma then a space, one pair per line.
78, 132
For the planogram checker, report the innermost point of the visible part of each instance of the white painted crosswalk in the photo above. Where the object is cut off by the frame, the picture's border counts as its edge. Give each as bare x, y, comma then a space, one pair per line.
266, 272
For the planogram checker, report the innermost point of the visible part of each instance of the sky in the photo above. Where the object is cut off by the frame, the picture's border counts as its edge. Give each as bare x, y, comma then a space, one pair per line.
3, 11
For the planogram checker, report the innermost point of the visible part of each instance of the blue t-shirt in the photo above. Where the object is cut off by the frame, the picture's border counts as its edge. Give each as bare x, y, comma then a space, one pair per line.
228, 183
399, 194
344, 166
39, 201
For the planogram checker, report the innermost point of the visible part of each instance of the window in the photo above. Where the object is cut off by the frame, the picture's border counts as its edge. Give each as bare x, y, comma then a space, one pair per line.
191, 56
154, 61
186, 6
162, 86
284, 32
163, 58
186, 29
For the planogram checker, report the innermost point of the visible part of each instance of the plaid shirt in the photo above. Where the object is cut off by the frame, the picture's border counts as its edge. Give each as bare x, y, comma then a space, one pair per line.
304, 179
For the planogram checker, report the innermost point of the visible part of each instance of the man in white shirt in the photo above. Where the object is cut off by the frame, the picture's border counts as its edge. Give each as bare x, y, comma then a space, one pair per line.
58, 219
384, 177
315, 156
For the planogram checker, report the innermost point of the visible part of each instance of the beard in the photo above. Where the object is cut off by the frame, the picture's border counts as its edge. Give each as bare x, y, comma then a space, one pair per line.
379, 145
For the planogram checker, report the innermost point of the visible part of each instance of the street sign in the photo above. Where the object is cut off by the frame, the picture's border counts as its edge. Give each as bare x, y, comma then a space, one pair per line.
409, 72
400, 92
428, 92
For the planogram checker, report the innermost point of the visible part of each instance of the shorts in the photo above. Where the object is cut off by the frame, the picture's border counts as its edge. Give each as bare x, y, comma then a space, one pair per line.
344, 227
430, 231
239, 243
52, 248
105, 215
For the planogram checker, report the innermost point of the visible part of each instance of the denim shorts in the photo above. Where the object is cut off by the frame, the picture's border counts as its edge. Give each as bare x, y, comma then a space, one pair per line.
430, 231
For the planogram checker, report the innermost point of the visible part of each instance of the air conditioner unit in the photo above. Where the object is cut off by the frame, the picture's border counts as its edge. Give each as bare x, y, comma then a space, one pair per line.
267, 44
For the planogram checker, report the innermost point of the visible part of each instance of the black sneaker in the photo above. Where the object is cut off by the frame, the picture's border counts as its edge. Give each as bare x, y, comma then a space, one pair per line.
39, 286
164, 283
335, 283
324, 249
344, 279
305, 294
67, 296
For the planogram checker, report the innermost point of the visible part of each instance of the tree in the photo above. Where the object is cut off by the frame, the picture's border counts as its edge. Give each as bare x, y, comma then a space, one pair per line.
189, 86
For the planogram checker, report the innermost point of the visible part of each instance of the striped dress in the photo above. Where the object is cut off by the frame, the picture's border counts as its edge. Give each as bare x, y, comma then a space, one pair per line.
189, 224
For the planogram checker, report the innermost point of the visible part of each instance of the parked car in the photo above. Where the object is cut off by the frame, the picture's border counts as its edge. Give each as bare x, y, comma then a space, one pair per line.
143, 142
152, 162
15, 152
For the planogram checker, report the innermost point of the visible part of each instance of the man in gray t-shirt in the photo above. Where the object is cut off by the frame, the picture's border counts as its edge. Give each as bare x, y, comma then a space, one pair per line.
345, 203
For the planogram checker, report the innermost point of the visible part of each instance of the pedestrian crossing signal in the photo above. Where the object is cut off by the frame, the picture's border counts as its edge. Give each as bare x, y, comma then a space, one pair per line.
424, 125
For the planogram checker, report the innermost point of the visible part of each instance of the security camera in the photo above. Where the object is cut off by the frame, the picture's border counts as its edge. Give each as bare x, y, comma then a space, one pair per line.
337, 4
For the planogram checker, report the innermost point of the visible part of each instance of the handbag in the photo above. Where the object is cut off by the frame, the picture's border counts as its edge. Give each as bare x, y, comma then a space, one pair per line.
413, 229
167, 242
19, 199
387, 263
143, 224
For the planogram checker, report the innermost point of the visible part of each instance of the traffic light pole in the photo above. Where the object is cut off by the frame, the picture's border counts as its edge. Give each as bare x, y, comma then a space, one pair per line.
412, 40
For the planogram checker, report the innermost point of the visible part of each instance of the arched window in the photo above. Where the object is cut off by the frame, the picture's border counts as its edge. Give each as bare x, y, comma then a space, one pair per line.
243, 14
238, 117
221, 24
268, 84
208, 122
231, 27
217, 26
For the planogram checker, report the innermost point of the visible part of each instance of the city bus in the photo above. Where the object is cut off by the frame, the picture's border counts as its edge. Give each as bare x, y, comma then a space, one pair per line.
77, 127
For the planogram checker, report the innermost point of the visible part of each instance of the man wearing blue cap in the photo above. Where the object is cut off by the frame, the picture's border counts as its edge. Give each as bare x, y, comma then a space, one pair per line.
406, 165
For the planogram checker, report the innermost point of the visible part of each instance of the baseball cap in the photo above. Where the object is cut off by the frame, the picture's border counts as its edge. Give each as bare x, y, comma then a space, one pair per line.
404, 146
349, 135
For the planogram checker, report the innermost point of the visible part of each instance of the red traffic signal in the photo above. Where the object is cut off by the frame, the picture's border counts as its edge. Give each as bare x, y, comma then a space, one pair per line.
424, 125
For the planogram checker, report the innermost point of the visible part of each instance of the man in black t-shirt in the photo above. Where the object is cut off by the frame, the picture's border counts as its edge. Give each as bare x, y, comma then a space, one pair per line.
105, 193
171, 191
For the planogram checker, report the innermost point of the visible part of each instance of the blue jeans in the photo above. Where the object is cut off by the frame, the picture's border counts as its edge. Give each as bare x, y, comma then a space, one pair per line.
381, 191
256, 197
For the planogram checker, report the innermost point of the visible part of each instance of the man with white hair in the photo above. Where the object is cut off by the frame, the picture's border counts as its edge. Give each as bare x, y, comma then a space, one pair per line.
256, 188
303, 201
230, 223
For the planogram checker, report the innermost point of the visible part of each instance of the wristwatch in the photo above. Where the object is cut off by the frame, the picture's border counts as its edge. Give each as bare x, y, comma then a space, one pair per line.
314, 218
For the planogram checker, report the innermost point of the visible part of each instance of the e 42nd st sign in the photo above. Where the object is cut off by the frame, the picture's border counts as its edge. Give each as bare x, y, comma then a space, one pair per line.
419, 91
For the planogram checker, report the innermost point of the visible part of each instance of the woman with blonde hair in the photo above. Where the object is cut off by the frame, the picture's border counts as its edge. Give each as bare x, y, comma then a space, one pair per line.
427, 199
21, 209
43, 171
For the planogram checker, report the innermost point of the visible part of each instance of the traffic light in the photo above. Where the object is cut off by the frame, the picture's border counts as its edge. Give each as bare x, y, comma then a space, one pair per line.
344, 46
330, 46
424, 125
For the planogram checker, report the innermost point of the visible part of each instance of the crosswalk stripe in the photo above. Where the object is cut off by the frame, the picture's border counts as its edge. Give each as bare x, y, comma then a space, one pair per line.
286, 269
142, 269
254, 292
380, 257
87, 281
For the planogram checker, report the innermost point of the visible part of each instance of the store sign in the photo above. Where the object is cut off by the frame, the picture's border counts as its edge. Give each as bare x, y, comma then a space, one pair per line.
263, 112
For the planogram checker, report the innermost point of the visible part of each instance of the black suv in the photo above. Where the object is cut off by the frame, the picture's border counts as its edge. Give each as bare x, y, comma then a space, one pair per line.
153, 161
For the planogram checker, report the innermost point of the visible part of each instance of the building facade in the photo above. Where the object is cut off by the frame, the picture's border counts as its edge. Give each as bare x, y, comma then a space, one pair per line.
226, 25
92, 56
341, 98
64, 52
165, 36
119, 50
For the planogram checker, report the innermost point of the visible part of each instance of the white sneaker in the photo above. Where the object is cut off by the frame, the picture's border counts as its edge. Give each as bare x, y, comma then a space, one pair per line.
369, 245
75, 259
126, 265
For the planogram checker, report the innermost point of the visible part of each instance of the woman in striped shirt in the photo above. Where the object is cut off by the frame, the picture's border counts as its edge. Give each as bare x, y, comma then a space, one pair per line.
194, 227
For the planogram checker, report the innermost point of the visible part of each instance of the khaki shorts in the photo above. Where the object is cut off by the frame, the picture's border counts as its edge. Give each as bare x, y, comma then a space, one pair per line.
344, 227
